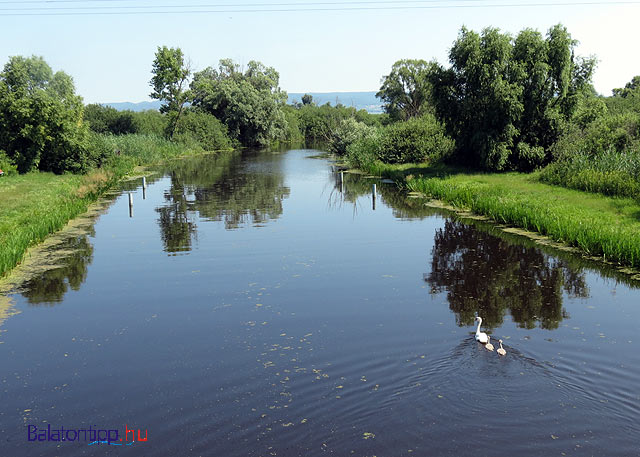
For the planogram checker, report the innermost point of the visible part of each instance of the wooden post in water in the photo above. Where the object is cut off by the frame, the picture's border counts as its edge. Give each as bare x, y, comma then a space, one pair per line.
373, 196
144, 188
341, 182
130, 204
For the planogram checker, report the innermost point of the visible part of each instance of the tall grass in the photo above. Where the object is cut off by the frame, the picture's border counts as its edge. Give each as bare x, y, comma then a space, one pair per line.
611, 172
37, 204
598, 225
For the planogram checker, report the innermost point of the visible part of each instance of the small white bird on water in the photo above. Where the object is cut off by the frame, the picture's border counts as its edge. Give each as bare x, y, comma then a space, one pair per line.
481, 336
501, 351
489, 346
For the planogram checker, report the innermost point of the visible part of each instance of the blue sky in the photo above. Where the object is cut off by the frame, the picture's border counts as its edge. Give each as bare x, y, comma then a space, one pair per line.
110, 56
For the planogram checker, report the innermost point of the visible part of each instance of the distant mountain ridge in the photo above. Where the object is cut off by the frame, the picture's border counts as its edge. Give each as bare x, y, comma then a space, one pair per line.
359, 100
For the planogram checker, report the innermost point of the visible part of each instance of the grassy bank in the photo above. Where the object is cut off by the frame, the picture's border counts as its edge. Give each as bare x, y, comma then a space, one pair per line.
37, 204
597, 224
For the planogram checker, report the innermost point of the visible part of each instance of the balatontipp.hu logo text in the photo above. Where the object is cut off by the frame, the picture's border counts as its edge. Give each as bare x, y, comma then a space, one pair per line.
91, 435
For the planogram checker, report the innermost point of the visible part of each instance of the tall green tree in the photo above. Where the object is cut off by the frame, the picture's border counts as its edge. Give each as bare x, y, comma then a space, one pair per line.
41, 118
249, 102
170, 84
406, 91
507, 100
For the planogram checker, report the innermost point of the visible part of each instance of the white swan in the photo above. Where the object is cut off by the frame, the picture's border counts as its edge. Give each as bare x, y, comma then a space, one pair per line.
481, 336
489, 346
501, 351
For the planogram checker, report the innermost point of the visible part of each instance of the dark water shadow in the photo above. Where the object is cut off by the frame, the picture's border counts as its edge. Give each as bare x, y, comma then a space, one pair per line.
489, 276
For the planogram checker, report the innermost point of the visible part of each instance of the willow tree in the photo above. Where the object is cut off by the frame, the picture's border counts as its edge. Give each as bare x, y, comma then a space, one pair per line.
248, 102
406, 90
507, 100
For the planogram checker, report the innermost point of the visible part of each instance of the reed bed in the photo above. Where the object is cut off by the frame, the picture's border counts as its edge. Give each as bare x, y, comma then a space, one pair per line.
612, 173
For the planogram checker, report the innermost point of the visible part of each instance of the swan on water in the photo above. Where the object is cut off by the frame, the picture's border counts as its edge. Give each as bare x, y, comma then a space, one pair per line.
489, 346
501, 351
481, 336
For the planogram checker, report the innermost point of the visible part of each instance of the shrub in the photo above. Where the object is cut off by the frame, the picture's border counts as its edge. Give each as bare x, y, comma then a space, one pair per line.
105, 119
365, 151
203, 130
348, 131
416, 140
150, 122
7, 165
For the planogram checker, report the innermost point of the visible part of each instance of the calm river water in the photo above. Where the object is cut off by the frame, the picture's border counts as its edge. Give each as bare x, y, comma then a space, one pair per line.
257, 305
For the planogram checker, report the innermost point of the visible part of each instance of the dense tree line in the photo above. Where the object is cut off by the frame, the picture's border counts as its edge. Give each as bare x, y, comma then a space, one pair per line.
504, 102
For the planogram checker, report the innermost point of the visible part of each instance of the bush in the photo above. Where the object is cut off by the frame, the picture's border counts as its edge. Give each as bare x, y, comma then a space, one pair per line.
202, 130
150, 122
7, 165
348, 131
363, 152
416, 140
105, 119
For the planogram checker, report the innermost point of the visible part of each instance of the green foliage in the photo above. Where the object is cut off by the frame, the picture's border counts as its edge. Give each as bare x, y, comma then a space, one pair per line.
365, 152
41, 118
105, 119
150, 122
414, 141
249, 103
406, 91
307, 99
7, 165
625, 99
293, 132
506, 101
202, 129
347, 132
632, 88
609, 172
316, 123
169, 83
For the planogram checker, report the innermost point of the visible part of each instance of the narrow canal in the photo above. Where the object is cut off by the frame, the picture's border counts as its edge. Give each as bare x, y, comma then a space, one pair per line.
256, 304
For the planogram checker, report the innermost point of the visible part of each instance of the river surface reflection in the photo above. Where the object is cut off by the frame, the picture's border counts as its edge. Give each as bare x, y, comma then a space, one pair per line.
260, 303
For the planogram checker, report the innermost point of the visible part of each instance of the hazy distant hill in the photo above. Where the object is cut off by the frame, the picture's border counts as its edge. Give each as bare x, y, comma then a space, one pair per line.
141, 106
359, 100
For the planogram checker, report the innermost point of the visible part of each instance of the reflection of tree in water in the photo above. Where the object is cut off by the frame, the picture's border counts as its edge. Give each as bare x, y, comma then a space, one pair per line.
488, 275
223, 187
51, 285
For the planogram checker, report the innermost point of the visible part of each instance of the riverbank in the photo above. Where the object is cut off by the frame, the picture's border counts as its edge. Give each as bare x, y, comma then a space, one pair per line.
34, 205
598, 225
